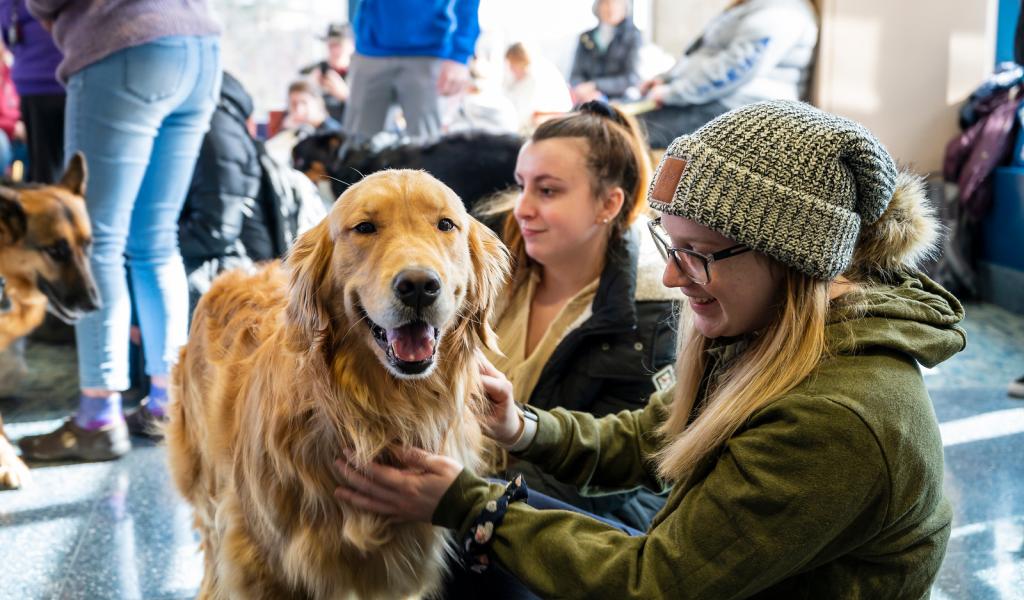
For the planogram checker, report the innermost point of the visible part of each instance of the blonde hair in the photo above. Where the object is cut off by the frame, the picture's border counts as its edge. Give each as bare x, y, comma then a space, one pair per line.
777, 360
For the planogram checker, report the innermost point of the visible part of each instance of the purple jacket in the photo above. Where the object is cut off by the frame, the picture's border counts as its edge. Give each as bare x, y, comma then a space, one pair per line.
36, 57
88, 31
972, 157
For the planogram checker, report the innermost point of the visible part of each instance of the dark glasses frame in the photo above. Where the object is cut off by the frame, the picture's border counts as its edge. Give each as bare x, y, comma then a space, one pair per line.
665, 248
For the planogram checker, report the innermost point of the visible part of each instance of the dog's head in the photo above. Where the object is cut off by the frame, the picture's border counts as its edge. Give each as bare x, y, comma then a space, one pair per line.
45, 238
400, 263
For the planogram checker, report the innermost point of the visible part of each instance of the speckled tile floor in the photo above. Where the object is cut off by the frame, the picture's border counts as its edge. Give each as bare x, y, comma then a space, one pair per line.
119, 530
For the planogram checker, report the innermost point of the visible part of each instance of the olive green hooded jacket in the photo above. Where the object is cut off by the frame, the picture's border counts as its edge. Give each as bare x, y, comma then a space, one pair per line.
832, 491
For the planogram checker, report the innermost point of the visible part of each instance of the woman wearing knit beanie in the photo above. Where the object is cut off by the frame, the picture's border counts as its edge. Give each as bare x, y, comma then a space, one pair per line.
799, 441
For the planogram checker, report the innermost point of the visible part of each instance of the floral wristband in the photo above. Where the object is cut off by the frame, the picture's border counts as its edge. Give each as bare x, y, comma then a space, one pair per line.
477, 545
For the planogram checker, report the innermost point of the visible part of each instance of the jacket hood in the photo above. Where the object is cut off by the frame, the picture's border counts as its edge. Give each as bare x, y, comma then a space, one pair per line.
914, 315
234, 98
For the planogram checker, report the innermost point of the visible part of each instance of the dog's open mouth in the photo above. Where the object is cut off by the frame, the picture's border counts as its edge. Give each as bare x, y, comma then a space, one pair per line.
409, 348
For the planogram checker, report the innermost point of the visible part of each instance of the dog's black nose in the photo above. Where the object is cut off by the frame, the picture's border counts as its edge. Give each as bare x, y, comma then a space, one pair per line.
417, 288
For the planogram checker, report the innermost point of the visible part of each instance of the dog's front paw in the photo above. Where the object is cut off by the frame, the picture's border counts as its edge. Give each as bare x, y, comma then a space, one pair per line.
13, 472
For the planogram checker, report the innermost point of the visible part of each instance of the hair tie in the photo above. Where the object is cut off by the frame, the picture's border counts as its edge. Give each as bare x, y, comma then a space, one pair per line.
476, 547
601, 109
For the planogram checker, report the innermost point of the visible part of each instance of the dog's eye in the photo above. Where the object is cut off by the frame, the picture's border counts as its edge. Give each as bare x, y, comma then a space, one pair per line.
59, 251
365, 227
446, 225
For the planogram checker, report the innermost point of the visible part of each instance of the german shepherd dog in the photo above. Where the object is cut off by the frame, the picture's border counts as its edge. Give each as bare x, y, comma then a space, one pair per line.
44, 263
475, 165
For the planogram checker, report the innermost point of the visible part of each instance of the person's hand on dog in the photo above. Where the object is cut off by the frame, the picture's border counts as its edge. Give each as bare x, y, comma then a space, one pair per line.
502, 423
409, 492
454, 78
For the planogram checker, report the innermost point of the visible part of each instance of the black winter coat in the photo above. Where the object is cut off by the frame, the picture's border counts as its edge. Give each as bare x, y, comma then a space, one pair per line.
607, 364
617, 68
223, 223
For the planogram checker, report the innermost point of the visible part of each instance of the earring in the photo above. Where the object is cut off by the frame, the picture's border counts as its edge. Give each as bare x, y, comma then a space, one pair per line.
605, 221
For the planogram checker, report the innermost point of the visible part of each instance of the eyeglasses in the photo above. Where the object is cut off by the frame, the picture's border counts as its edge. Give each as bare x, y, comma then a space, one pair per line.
694, 265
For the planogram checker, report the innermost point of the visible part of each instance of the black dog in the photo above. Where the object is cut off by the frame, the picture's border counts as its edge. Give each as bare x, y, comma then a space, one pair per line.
475, 165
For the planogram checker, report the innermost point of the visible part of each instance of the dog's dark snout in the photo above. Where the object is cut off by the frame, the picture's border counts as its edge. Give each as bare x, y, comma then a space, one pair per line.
417, 288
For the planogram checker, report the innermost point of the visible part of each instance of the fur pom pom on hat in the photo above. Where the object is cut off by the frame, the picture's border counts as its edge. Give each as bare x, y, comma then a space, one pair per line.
808, 188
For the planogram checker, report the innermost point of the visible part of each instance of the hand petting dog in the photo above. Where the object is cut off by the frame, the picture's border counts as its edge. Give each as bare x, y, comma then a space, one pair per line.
412, 490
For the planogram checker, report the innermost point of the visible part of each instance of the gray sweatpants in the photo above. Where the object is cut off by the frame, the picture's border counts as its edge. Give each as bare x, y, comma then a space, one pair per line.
378, 82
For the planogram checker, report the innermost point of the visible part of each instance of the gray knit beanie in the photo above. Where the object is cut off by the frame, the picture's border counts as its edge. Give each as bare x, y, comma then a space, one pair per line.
782, 177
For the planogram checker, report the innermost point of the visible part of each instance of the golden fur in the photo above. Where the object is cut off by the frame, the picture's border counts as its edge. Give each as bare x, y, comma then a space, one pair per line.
44, 240
281, 373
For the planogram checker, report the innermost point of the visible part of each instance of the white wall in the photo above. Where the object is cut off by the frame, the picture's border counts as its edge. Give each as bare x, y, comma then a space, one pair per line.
904, 68
265, 43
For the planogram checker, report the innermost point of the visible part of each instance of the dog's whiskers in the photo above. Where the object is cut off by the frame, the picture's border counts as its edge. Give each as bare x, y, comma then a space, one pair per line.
344, 183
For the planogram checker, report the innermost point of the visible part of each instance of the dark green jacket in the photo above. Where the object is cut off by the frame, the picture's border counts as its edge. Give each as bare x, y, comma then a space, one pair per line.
832, 491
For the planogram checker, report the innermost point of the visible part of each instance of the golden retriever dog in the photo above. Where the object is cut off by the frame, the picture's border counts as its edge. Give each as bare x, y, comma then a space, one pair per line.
363, 340
44, 264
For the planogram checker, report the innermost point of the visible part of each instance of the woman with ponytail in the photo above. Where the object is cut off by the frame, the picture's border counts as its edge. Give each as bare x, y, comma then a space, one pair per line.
586, 323
799, 443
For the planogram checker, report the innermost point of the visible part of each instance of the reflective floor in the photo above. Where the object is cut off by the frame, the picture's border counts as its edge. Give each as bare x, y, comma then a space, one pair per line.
118, 530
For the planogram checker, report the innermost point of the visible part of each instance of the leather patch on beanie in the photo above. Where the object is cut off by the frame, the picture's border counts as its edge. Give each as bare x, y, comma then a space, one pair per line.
668, 178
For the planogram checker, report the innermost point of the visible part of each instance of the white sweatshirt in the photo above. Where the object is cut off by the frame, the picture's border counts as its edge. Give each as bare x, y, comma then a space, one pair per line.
759, 50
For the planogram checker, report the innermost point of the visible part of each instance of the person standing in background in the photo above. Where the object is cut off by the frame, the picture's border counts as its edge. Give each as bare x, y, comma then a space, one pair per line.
409, 52
143, 78
607, 61
330, 73
34, 73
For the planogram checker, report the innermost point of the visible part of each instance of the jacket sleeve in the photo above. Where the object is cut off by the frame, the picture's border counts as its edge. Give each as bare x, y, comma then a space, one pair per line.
467, 30
615, 86
801, 485
600, 454
762, 39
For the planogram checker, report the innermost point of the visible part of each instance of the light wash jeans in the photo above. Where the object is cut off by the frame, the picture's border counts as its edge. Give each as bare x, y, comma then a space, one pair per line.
139, 115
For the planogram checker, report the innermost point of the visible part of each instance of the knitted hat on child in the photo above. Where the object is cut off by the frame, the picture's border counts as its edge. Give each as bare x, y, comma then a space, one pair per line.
782, 177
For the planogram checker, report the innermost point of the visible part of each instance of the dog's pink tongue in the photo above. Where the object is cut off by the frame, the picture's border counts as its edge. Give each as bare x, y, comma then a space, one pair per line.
413, 342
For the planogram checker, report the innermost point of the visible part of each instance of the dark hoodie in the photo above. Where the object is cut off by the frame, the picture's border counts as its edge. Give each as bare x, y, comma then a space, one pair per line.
832, 491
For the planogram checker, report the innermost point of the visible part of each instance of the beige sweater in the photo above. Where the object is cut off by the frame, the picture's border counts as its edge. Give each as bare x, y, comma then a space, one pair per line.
512, 325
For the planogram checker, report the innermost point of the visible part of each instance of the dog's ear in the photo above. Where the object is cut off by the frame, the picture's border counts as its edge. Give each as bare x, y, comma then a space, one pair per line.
491, 265
309, 262
13, 221
76, 175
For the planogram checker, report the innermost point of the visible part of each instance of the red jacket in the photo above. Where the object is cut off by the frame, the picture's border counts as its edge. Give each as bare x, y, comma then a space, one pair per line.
10, 111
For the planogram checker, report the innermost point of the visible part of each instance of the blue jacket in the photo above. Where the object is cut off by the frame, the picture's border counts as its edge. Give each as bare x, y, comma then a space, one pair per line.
441, 28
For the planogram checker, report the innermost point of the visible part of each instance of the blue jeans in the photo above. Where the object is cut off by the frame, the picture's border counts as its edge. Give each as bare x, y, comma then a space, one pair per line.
139, 115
